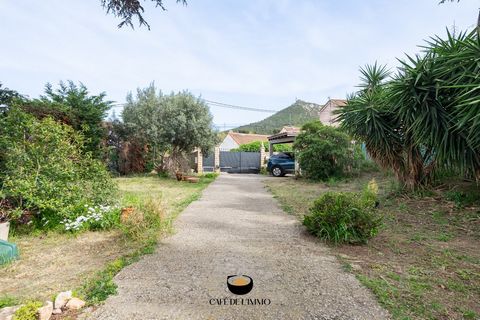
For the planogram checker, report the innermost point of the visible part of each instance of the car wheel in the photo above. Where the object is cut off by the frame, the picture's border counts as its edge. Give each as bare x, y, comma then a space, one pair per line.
277, 171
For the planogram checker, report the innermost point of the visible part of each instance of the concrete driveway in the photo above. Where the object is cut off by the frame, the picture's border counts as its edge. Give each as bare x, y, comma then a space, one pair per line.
237, 227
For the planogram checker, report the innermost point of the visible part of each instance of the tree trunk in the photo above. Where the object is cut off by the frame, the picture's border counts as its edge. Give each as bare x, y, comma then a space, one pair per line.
415, 173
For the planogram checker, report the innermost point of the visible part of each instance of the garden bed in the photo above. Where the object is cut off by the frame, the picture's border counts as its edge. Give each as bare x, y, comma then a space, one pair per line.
53, 262
425, 263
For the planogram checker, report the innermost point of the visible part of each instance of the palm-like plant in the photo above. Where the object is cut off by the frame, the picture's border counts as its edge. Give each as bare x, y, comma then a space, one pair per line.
436, 97
426, 116
368, 117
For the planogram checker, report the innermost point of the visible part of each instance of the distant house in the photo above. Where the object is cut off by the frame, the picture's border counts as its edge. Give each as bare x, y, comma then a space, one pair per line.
287, 129
234, 140
327, 116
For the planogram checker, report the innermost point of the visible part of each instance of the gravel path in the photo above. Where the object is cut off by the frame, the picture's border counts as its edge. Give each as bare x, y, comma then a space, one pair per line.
238, 228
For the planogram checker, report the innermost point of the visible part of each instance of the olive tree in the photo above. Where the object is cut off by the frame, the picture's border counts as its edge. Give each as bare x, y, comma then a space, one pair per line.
170, 125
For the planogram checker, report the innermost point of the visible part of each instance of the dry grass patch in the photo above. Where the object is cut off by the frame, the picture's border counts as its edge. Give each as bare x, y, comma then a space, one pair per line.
54, 262
425, 263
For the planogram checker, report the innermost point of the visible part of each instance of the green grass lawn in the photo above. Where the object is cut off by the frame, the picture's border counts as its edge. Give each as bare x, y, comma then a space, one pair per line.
425, 263
86, 262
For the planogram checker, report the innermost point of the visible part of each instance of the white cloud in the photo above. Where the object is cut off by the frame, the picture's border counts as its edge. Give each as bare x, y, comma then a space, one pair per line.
257, 53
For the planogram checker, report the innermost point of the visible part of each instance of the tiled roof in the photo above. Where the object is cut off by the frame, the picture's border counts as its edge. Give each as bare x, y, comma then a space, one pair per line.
244, 138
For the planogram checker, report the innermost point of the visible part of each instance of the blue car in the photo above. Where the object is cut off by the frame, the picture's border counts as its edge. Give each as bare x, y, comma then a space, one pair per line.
280, 164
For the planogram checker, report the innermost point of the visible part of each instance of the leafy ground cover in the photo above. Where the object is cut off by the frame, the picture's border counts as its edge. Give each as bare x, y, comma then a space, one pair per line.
425, 262
86, 262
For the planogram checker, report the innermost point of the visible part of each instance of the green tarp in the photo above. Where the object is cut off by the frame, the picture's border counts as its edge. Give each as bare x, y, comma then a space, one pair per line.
8, 252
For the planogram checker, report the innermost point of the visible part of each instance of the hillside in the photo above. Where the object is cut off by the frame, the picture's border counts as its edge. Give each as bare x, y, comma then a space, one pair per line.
297, 114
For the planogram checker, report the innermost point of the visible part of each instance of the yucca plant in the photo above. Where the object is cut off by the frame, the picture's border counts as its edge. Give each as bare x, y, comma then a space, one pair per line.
426, 116
436, 97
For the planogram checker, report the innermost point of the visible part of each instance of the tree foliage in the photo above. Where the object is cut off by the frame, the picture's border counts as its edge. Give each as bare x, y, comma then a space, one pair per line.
170, 125
7, 95
73, 105
425, 117
44, 170
128, 9
255, 146
322, 151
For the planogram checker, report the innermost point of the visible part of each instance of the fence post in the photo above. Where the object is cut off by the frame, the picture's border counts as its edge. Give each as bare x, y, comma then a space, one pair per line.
199, 156
216, 161
262, 156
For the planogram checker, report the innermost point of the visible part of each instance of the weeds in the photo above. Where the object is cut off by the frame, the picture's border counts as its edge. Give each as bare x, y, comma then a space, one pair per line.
28, 311
463, 199
151, 216
7, 301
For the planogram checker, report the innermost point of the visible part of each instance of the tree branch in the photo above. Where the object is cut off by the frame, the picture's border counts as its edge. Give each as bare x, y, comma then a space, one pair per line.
128, 9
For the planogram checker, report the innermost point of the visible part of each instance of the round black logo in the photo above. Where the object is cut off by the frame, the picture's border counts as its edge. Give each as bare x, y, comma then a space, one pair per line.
239, 284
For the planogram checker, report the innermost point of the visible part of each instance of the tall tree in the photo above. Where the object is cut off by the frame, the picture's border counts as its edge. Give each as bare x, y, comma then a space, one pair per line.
427, 116
77, 107
7, 95
171, 125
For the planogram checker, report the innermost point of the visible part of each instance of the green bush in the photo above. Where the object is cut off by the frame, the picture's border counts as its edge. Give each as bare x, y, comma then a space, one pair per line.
324, 152
211, 175
28, 311
344, 217
44, 171
145, 221
256, 145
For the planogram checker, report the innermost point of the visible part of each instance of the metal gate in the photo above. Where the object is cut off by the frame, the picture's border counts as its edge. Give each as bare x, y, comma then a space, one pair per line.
239, 162
209, 162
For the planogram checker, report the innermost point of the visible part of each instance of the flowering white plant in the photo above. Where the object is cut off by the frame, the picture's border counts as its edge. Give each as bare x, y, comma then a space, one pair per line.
93, 214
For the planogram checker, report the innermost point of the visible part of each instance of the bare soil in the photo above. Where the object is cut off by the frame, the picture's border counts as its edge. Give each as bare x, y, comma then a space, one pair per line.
55, 262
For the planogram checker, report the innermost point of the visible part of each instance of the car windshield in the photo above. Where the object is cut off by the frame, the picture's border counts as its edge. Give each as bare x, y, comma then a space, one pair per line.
284, 155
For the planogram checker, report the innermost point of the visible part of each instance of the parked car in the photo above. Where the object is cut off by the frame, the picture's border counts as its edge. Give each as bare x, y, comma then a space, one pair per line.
280, 164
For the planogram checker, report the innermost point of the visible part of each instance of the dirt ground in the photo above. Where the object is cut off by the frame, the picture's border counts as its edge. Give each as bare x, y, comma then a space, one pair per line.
56, 262
424, 264
53, 262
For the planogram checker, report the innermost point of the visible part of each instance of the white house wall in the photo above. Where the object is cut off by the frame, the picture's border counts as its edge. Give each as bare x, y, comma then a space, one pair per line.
228, 143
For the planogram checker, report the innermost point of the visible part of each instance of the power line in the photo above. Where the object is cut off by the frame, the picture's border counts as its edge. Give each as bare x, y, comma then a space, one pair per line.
217, 104
231, 106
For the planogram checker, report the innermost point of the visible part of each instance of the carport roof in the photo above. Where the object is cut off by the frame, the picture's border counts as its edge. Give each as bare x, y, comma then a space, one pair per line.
283, 137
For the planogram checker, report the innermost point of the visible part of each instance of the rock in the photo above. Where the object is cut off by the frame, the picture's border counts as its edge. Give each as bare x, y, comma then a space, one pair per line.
62, 299
75, 304
45, 312
57, 311
7, 312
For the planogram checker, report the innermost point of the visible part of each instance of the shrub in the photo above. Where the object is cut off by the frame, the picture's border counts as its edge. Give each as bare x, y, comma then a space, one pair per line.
45, 172
145, 218
323, 151
28, 311
211, 175
74, 105
344, 217
256, 145
251, 147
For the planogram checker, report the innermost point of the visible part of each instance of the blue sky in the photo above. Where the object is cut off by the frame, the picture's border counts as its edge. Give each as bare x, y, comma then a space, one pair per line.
255, 53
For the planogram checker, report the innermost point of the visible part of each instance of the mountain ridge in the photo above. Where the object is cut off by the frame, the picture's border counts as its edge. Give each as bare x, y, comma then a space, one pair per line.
297, 114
